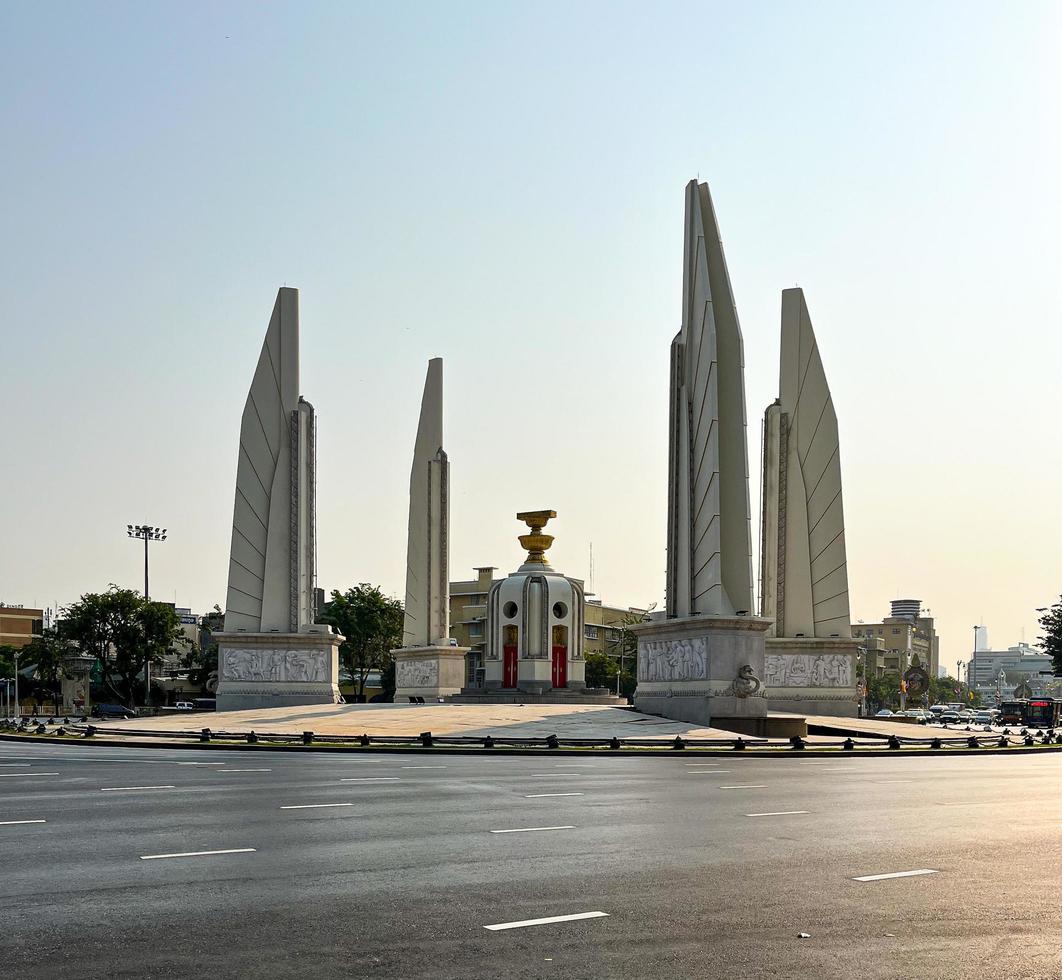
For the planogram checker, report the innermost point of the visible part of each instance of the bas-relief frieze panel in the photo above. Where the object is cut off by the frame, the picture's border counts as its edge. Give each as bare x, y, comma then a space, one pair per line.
274, 665
808, 670
673, 660
417, 673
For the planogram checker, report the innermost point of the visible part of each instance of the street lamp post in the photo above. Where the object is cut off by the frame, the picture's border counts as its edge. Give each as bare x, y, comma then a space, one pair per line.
147, 533
18, 704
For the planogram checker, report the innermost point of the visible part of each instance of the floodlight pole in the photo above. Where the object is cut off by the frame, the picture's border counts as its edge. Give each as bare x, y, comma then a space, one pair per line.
149, 533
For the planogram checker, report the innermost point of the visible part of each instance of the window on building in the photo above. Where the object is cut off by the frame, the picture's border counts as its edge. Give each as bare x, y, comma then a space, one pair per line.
591, 632
475, 629
895, 631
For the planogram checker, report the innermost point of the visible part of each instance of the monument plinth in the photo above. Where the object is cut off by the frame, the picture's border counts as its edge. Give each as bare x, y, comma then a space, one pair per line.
428, 664
272, 670
704, 670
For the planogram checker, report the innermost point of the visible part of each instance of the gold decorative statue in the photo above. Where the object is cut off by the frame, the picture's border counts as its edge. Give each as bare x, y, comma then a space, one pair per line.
536, 542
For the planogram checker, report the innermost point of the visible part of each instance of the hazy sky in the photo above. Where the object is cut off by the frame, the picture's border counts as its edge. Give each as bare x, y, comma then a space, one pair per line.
502, 185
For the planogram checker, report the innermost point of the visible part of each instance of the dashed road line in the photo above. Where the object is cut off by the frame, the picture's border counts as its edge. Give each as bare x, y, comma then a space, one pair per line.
11, 823
124, 789
539, 796
192, 854
528, 830
777, 813
243, 770
746, 786
896, 874
541, 922
313, 806
370, 779
25, 775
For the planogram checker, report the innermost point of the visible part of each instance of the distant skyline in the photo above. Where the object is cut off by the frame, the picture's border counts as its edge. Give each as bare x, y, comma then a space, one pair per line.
502, 186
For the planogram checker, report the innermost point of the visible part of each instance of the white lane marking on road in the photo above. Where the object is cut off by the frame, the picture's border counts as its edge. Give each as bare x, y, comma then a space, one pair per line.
26, 775
746, 786
528, 830
424, 767
192, 854
577, 765
9, 823
550, 775
313, 806
539, 796
897, 874
887, 782
370, 779
541, 922
969, 803
200, 763
122, 789
15, 765
707, 772
777, 813
842, 769
243, 770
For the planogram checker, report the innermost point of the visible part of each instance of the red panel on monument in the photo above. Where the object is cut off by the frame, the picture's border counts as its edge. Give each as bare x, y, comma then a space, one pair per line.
560, 666
509, 666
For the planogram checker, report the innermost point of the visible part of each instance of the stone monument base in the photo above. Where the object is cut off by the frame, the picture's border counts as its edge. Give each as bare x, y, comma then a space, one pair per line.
271, 670
812, 675
706, 670
428, 672
561, 695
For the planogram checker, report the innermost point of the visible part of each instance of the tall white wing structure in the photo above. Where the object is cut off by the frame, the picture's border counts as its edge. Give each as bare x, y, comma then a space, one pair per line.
427, 613
271, 559
804, 570
709, 555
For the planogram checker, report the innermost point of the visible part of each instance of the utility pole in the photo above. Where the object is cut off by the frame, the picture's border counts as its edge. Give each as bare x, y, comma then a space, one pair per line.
147, 533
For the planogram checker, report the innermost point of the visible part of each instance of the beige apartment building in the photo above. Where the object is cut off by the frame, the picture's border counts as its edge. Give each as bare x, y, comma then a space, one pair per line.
19, 625
468, 621
892, 644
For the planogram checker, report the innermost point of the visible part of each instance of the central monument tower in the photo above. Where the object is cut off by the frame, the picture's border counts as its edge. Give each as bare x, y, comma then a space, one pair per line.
271, 652
704, 662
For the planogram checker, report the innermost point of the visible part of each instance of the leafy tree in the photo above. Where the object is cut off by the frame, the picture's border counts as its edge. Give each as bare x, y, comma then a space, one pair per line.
624, 651
47, 654
1051, 640
125, 632
601, 670
372, 624
7, 660
202, 659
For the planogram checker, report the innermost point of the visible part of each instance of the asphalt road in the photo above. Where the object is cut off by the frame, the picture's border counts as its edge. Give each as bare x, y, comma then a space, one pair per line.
393, 866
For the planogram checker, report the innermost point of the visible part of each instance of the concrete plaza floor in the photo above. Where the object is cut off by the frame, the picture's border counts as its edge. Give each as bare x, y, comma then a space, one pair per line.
499, 720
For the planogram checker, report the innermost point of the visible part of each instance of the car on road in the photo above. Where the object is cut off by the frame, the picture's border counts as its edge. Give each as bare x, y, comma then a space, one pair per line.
937, 709
920, 713
111, 711
884, 713
184, 706
985, 718
951, 718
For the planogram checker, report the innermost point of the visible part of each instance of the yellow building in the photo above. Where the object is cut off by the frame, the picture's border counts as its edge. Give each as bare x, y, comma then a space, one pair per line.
19, 625
903, 637
468, 621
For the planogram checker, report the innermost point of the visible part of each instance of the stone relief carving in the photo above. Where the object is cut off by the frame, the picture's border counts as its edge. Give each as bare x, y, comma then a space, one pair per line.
274, 665
417, 673
673, 660
808, 669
